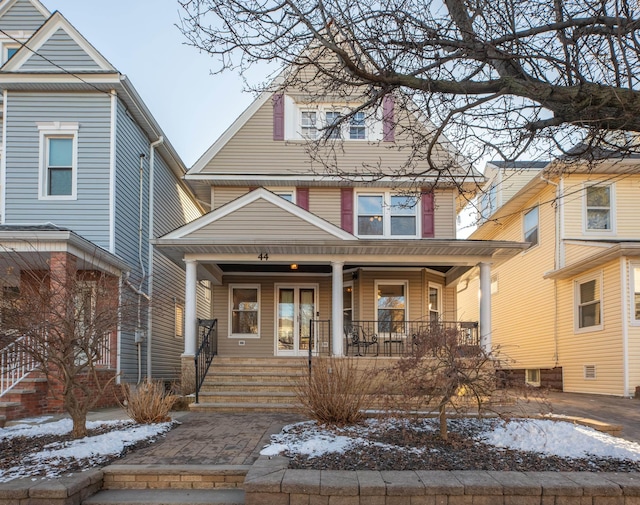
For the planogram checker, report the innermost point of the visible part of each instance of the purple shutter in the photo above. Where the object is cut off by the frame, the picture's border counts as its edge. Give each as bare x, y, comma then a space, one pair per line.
278, 116
428, 225
388, 119
346, 209
302, 198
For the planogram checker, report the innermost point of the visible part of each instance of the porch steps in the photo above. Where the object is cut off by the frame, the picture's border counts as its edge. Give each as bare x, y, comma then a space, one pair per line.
251, 384
27, 399
167, 497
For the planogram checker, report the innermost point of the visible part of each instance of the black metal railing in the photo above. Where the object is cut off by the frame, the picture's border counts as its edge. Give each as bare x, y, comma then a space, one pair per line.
320, 334
397, 338
207, 349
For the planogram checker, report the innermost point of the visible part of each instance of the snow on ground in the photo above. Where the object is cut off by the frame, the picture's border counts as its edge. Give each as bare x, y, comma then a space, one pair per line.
560, 438
55, 457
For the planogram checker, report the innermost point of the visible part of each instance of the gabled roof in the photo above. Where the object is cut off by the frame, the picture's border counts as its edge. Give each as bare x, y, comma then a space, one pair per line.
304, 221
8, 7
31, 56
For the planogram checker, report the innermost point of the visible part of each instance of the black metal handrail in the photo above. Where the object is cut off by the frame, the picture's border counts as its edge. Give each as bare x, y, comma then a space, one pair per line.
207, 350
320, 338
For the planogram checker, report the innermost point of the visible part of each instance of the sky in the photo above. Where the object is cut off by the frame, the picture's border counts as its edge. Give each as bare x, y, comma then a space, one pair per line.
140, 39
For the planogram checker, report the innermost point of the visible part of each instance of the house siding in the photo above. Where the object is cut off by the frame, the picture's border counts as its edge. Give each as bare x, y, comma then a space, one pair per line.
88, 215
130, 143
22, 16
602, 348
60, 51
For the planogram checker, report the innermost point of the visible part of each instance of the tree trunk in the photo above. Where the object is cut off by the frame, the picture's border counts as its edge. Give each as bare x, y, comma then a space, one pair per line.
442, 416
79, 425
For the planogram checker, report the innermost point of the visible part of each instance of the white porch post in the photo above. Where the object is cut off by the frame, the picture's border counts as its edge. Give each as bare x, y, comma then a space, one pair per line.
190, 326
485, 306
336, 308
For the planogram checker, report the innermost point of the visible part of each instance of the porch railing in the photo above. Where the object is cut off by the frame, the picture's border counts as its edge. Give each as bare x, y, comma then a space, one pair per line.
15, 364
397, 338
206, 351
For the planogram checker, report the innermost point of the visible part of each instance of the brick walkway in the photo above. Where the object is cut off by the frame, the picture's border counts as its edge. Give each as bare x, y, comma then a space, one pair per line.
213, 439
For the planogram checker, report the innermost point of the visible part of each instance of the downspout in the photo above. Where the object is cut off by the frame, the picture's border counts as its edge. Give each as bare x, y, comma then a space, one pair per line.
152, 157
139, 332
556, 263
626, 302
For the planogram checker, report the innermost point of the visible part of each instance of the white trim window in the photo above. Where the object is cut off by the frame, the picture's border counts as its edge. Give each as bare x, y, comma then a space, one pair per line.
530, 225
357, 126
598, 208
635, 294
313, 122
309, 124
333, 117
244, 310
178, 311
392, 303
288, 194
588, 306
8, 50
386, 215
435, 302
58, 161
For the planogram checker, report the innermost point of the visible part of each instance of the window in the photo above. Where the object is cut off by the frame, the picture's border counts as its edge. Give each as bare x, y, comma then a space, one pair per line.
588, 307
333, 118
435, 302
636, 294
357, 129
245, 310
533, 376
309, 125
392, 304
598, 208
58, 172
8, 50
488, 203
531, 219
387, 215
179, 319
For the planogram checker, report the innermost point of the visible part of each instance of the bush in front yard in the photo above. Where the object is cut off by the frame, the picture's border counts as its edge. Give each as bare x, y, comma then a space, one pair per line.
336, 391
148, 403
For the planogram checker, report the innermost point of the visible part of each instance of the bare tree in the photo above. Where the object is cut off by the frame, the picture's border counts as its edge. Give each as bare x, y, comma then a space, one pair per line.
66, 319
502, 78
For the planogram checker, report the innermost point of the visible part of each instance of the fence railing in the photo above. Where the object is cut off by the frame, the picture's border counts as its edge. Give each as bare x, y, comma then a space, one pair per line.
206, 351
15, 364
104, 351
397, 338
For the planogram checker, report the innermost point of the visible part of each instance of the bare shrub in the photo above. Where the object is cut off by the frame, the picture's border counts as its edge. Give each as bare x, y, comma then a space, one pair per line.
442, 373
336, 392
148, 403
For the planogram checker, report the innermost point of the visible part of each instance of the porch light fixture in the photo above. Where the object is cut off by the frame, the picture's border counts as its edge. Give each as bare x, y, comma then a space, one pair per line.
294, 266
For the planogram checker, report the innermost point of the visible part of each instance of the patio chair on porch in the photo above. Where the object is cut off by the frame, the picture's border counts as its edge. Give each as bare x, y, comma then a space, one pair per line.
357, 338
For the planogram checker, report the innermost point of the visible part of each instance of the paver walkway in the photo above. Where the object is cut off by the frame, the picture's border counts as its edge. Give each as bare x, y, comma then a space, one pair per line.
213, 439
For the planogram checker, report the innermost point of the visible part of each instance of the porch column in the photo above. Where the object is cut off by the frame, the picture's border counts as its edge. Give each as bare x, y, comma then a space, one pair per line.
485, 306
336, 308
190, 326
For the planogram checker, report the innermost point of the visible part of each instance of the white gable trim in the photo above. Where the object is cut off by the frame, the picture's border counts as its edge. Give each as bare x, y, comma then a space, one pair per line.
36, 4
45, 32
259, 194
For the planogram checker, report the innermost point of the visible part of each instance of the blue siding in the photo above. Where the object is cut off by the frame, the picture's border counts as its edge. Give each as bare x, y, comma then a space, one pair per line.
88, 215
22, 16
130, 143
60, 51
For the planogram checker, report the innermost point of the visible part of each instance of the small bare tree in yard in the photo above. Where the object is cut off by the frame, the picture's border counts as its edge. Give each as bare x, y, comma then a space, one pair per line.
65, 318
442, 372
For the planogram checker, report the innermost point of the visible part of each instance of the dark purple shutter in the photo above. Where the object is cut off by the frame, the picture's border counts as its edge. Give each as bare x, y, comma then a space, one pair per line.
346, 209
388, 119
428, 225
302, 198
278, 116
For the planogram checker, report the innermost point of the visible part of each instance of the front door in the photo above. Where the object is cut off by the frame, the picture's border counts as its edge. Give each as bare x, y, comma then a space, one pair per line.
295, 308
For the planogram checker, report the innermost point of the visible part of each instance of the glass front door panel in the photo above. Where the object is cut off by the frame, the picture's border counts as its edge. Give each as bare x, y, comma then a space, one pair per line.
286, 319
307, 310
296, 310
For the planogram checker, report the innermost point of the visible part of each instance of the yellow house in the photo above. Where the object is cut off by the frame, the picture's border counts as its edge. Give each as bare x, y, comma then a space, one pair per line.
566, 312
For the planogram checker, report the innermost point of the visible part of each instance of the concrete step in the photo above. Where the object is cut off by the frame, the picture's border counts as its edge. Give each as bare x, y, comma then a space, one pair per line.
243, 407
167, 497
253, 376
246, 386
247, 396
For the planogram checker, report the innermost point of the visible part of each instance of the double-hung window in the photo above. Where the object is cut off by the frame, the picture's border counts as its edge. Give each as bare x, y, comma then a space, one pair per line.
598, 203
531, 220
357, 127
588, 293
332, 119
58, 160
387, 215
635, 283
392, 306
244, 304
435, 302
309, 125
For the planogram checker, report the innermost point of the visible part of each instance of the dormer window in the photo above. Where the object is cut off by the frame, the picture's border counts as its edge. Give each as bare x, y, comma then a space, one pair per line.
357, 129
309, 125
333, 118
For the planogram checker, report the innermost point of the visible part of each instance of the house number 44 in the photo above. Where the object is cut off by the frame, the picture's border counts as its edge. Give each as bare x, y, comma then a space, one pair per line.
263, 256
